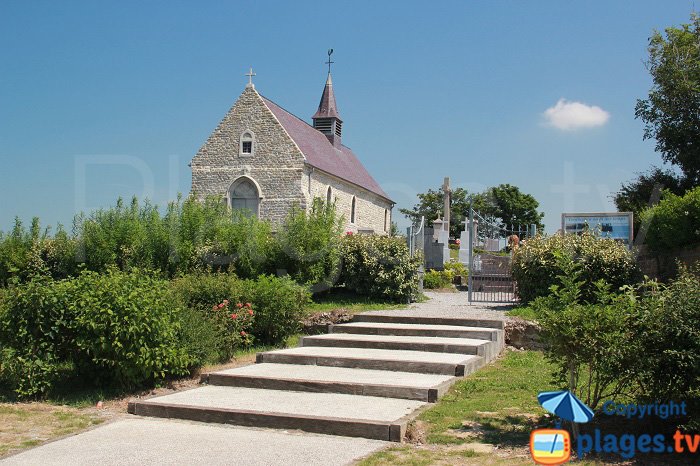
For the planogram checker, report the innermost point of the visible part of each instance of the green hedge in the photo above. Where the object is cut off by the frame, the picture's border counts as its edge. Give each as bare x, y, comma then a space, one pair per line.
380, 267
536, 267
674, 222
114, 328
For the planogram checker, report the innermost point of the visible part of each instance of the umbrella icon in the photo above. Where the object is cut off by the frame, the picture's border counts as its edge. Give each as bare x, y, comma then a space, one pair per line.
565, 405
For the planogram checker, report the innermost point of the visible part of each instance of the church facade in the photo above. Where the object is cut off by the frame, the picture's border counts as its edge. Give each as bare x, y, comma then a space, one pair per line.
263, 158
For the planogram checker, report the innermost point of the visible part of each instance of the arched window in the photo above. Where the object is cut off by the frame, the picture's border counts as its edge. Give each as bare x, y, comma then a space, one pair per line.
247, 145
244, 195
352, 210
329, 196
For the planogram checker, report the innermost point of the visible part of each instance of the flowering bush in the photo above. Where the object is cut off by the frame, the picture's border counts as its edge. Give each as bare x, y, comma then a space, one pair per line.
674, 222
233, 323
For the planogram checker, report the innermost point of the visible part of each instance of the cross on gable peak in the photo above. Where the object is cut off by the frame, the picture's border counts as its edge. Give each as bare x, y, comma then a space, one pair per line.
250, 75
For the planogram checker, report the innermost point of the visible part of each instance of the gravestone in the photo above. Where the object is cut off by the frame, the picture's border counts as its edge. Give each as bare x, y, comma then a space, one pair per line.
437, 251
465, 242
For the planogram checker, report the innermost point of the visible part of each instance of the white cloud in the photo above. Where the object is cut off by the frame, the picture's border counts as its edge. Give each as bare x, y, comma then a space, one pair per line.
567, 115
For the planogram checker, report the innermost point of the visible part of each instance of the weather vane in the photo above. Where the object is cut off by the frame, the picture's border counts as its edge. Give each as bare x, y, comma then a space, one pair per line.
329, 62
250, 75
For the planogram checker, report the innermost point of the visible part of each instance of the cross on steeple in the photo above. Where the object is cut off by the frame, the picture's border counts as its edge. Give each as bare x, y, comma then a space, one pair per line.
250, 75
329, 62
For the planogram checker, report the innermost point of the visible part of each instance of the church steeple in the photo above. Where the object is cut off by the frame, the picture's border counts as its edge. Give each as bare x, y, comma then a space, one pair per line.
326, 118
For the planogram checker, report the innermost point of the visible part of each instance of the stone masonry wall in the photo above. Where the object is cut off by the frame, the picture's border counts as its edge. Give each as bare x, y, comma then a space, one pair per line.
369, 208
277, 165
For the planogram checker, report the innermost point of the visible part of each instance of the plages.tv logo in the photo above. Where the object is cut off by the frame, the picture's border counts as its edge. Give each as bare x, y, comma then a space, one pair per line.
553, 446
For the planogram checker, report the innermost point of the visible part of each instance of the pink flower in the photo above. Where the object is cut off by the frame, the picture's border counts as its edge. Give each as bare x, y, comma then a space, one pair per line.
250, 312
239, 305
349, 233
226, 302
248, 305
221, 306
215, 307
233, 316
243, 333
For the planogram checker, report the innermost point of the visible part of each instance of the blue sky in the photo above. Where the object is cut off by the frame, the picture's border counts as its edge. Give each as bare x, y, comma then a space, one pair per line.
107, 99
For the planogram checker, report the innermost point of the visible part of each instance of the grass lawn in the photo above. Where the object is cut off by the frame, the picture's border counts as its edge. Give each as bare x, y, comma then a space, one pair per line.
24, 425
73, 409
524, 312
495, 407
340, 299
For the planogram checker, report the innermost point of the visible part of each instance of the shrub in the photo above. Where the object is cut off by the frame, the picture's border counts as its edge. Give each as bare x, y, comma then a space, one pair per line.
592, 344
380, 267
116, 328
233, 326
667, 329
202, 290
435, 279
309, 245
457, 268
278, 302
674, 222
279, 305
536, 268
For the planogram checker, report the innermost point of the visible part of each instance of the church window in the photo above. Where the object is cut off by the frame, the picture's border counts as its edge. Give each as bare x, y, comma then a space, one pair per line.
244, 196
329, 196
246, 147
352, 210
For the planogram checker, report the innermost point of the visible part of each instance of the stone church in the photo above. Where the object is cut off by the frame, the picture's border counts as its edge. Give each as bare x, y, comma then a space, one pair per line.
265, 159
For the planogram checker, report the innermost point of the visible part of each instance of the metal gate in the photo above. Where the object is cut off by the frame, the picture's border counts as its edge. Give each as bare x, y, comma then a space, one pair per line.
490, 258
415, 236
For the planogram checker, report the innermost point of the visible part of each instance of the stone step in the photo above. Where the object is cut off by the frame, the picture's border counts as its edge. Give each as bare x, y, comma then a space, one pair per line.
367, 358
425, 330
484, 348
404, 319
328, 379
328, 413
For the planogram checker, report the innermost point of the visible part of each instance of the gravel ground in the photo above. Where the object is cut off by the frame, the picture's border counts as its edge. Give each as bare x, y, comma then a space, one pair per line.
451, 305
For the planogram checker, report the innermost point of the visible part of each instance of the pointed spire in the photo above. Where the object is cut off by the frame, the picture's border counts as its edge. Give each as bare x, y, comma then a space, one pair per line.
327, 107
326, 118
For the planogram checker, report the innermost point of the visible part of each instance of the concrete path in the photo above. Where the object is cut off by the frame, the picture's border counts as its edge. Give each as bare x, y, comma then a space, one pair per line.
142, 441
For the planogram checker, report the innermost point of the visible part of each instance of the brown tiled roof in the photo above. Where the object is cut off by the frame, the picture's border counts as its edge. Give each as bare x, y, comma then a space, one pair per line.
320, 153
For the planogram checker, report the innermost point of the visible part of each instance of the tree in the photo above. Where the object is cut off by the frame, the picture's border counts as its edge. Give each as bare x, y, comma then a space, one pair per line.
504, 202
638, 194
672, 111
513, 207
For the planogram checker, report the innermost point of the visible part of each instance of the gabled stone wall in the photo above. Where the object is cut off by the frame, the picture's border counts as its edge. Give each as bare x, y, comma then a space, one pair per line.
276, 166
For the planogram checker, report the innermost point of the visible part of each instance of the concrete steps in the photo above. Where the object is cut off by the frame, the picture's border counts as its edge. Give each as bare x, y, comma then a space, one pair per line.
328, 413
367, 378
391, 342
362, 358
325, 379
399, 329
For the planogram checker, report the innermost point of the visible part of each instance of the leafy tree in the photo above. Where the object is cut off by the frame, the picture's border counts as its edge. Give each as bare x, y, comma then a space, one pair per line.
636, 195
671, 113
513, 207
